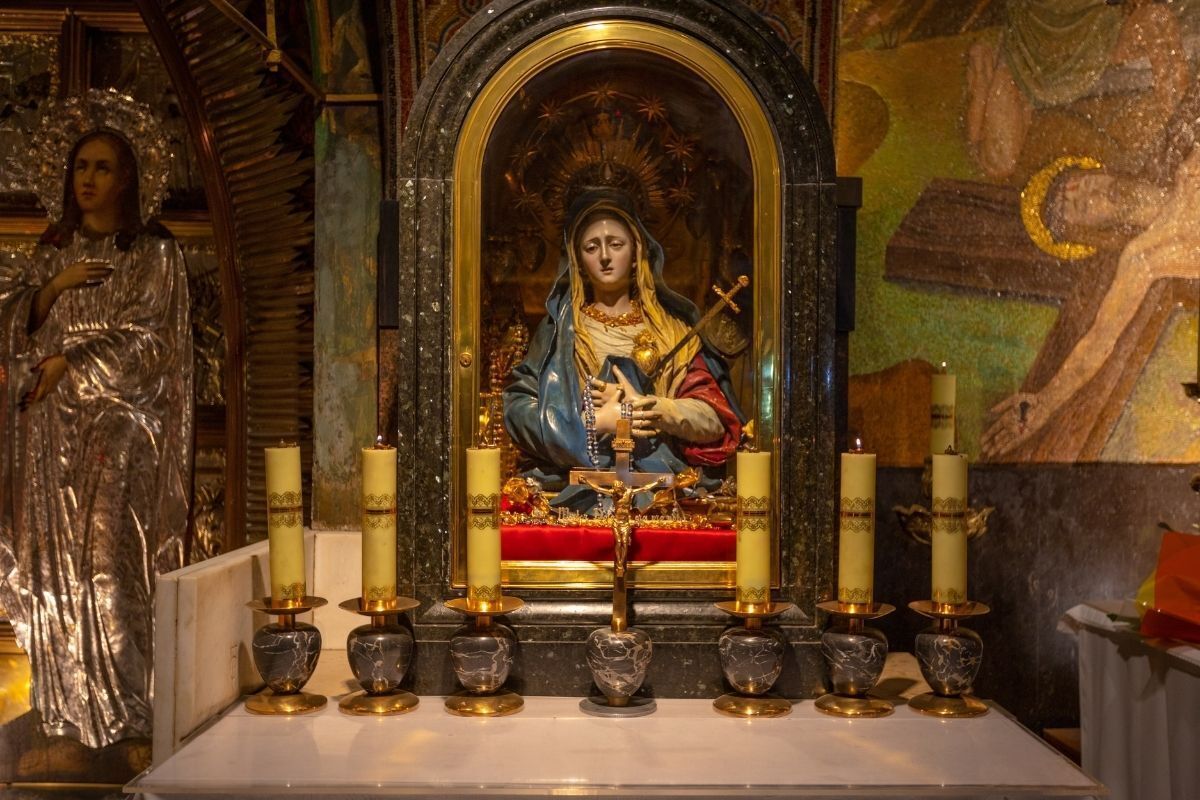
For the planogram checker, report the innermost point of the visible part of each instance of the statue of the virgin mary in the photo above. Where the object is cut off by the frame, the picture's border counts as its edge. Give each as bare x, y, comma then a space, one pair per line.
581, 373
96, 418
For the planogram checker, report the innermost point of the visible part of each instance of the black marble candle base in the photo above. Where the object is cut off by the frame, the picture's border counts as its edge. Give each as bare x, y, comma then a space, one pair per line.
751, 660
949, 656
618, 661
482, 654
379, 657
285, 655
379, 654
855, 656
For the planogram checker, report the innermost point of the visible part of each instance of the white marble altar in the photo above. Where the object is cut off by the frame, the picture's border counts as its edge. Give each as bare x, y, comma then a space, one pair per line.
202, 659
211, 746
685, 749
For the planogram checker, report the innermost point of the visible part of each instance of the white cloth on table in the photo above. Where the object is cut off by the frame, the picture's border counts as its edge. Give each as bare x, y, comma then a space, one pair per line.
1139, 708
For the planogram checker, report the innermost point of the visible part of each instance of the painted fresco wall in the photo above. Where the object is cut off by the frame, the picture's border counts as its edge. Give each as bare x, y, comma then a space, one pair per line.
349, 187
1030, 217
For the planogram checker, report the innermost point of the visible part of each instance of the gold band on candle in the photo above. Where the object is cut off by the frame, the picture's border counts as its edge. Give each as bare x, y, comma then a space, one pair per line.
480, 597
754, 513
483, 510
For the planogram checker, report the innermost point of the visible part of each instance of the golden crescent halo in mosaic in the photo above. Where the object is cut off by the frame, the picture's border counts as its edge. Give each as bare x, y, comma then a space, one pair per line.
1033, 197
62, 123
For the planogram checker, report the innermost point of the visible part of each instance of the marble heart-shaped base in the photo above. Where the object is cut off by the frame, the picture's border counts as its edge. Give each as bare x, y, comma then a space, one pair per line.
751, 658
855, 660
379, 656
286, 655
482, 657
949, 660
619, 660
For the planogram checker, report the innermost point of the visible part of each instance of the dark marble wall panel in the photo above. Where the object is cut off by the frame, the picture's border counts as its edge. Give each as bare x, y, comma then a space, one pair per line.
1060, 535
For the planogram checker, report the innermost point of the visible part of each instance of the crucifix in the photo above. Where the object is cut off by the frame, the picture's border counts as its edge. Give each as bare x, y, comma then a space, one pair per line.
622, 484
622, 465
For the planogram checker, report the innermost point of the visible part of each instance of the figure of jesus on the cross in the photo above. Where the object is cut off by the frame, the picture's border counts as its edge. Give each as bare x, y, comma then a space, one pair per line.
622, 484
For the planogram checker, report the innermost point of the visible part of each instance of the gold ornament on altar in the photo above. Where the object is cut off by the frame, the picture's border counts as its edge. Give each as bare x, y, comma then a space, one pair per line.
511, 339
526, 492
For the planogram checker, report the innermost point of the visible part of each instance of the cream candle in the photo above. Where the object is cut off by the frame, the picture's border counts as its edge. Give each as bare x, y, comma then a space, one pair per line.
483, 525
285, 524
942, 410
856, 529
753, 527
949, 529
379, 523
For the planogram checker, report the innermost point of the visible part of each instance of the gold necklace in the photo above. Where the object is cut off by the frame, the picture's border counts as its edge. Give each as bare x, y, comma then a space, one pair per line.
631, 317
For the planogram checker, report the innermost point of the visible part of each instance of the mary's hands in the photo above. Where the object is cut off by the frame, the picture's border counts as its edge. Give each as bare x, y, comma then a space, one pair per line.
608, 399
50, 371
604, 392
88, 272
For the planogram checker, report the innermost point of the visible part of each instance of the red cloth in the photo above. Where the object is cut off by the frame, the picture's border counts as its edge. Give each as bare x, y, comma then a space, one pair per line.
699, 384
557, 543
1176, 612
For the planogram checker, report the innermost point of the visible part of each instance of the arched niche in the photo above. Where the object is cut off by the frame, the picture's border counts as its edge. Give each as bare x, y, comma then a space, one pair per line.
503, 50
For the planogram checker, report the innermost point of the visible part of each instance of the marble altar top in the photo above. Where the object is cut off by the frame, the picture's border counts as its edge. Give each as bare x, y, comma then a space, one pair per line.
550, 747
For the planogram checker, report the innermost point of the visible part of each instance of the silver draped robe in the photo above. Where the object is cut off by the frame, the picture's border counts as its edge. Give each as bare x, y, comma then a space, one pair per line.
95, 478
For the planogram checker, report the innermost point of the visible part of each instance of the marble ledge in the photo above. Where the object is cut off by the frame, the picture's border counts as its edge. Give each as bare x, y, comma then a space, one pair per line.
684, 749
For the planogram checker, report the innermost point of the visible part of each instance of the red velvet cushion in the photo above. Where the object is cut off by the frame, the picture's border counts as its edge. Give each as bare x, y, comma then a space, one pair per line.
555, 543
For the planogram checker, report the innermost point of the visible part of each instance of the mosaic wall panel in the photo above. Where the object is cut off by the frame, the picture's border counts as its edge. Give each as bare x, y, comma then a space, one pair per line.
1028, 170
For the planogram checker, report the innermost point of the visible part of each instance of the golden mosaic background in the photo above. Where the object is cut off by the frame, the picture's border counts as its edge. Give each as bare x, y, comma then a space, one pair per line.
947, 117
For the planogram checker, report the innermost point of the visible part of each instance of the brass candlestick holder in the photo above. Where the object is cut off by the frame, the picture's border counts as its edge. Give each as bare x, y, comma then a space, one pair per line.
285, 654
917, 522
856, 655
950, 657
379, 653
482, 654
752, 658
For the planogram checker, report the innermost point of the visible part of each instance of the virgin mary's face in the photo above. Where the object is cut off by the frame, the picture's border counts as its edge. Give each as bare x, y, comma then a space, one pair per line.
96, 176
606, 250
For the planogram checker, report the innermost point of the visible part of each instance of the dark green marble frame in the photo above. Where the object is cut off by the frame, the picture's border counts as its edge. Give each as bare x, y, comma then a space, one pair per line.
554, 623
